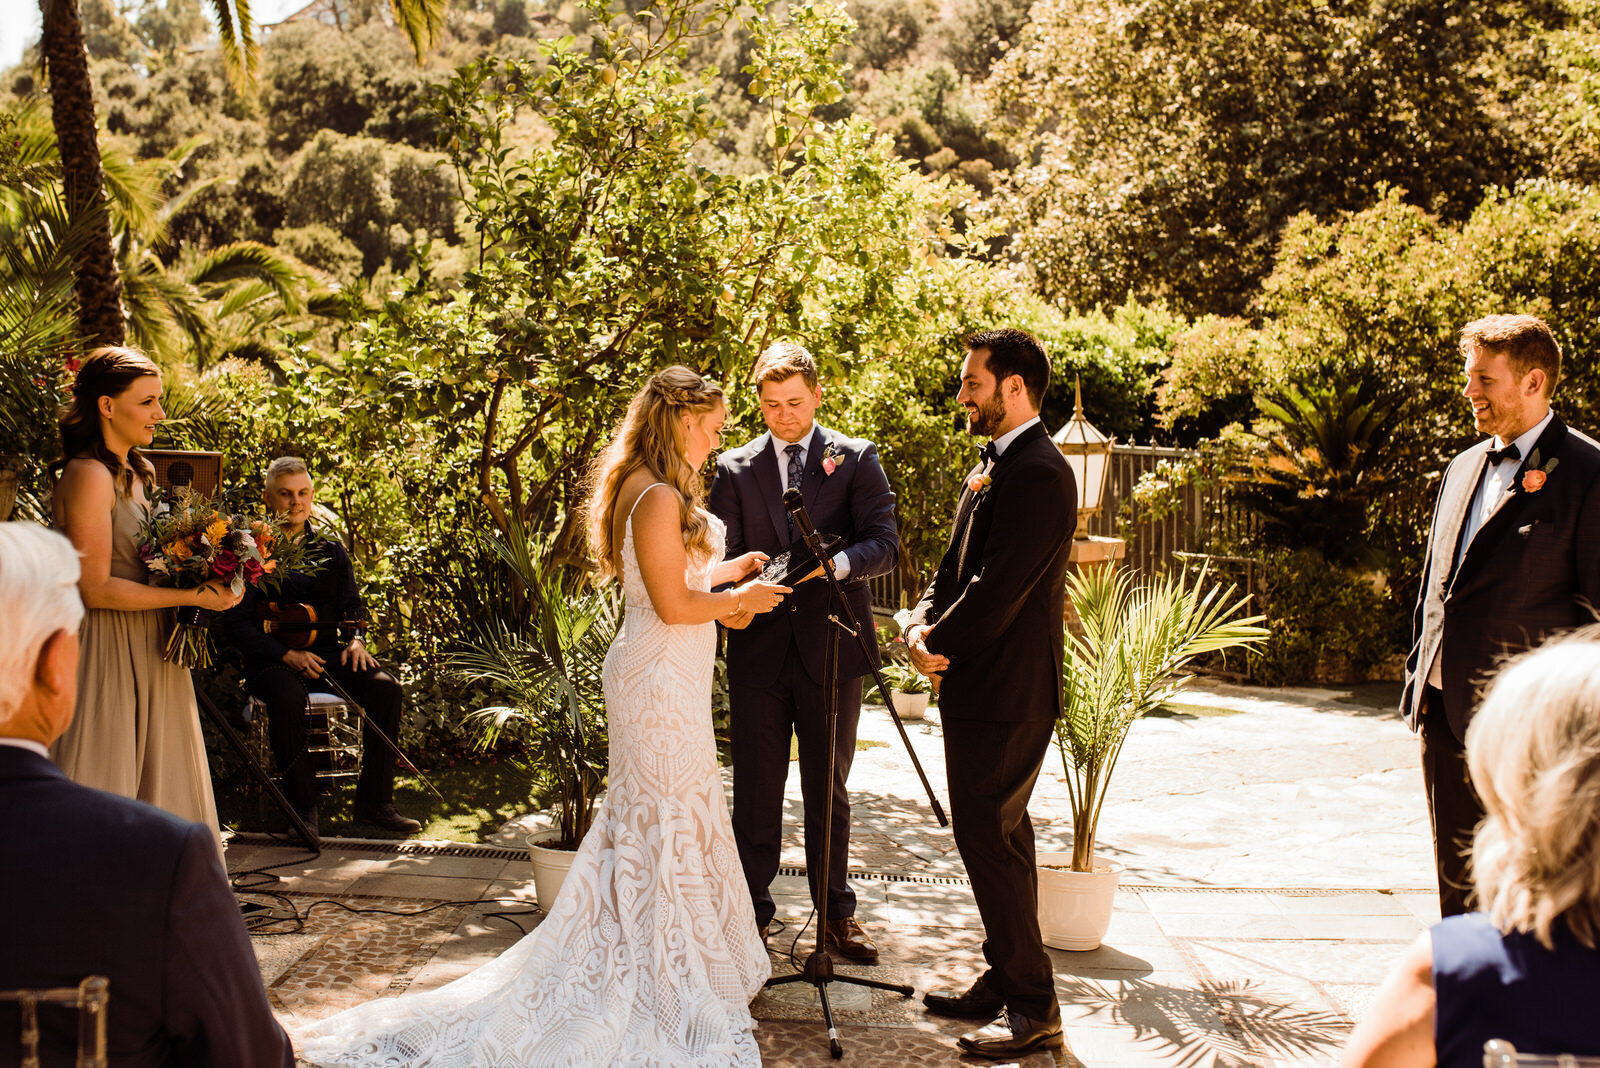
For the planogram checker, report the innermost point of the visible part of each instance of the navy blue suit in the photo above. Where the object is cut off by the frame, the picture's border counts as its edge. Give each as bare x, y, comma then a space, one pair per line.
96, 884
775, 665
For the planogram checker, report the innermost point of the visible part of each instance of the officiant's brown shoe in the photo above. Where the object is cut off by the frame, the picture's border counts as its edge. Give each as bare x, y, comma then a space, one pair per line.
979, 1002
846, 938
1014, 1035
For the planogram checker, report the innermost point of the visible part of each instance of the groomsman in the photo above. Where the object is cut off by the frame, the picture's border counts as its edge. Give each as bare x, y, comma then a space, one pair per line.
775, 665
1513, 557
988, 630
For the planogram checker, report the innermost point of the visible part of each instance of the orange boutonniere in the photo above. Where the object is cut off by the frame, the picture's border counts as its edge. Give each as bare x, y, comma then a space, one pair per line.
1534, 476
980, 481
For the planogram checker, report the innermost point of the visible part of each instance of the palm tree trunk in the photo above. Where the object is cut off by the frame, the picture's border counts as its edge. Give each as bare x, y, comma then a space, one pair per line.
98, 285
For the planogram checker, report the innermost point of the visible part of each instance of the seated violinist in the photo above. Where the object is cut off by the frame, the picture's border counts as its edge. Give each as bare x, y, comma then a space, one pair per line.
285, 656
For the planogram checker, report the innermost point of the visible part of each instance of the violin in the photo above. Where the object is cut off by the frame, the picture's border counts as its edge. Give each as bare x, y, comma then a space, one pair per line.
297, 625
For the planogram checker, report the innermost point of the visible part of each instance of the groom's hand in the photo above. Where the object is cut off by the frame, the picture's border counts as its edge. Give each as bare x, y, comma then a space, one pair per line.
930, 664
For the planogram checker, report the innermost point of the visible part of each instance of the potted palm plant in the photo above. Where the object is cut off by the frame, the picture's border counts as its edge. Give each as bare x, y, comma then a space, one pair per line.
1137, 639
547, 660
908, 689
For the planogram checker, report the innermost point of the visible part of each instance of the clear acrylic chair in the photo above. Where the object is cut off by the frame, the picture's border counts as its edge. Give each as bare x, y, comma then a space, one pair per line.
1498, 1053
88, 997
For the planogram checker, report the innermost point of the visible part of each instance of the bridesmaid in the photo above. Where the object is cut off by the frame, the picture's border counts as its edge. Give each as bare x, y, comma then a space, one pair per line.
136, 731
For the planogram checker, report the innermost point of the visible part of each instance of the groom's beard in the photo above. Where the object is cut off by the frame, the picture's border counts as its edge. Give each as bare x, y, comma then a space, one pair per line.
984, 419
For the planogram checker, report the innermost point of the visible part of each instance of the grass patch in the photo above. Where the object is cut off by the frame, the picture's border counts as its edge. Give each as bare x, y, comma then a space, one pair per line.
479, 800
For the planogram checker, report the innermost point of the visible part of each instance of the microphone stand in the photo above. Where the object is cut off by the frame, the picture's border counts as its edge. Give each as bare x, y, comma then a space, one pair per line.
808, 533
818, 968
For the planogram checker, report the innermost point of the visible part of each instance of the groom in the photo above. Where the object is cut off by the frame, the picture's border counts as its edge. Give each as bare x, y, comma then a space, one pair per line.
988, 631
775, 665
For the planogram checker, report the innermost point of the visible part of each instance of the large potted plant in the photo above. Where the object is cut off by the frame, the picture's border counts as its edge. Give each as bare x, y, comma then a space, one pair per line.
1136, 641
546, 657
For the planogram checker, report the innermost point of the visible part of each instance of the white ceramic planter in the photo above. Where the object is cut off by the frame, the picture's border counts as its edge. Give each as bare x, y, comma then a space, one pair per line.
1075, 906
550, 866
909, 705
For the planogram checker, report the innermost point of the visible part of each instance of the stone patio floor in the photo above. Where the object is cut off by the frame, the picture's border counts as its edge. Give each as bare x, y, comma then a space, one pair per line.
1277, 862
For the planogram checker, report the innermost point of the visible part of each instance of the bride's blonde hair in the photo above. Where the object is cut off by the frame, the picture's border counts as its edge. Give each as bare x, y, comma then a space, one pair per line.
651, 436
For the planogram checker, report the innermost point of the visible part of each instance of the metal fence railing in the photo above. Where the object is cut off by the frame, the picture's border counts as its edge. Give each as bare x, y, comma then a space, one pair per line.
1204, 519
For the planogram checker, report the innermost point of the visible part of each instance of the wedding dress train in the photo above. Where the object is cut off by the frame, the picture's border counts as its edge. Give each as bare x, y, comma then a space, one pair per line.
650, 955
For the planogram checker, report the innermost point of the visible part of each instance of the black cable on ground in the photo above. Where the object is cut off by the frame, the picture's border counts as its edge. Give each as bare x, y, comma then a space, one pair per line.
260, 922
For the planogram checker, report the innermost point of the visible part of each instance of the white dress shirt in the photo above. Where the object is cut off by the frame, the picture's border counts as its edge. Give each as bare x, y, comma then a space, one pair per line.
28, 744
780, 449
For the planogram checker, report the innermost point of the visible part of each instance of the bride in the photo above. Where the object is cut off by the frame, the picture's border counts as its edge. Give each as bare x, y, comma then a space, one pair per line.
650, 955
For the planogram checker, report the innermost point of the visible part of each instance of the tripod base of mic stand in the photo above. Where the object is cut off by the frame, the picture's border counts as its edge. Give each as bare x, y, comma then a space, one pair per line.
818, 971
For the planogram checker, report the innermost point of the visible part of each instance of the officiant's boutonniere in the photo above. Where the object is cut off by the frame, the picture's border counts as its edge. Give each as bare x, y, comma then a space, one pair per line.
830, 458
1535, 476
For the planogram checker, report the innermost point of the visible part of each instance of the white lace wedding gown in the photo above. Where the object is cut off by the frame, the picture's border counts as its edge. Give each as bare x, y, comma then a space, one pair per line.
650, 955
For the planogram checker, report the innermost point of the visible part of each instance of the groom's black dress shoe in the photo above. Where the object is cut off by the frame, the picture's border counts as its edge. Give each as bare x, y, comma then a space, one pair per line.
1013, 1036
386, 816
978, 1003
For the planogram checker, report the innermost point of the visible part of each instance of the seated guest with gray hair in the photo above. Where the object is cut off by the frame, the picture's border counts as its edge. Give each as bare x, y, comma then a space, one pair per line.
96, 884
1525, 969
280, 671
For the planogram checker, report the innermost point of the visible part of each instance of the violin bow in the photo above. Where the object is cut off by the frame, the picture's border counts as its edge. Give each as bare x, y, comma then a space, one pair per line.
375, 729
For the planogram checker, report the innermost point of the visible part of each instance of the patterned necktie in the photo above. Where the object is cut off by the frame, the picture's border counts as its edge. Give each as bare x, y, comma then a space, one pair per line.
796, 472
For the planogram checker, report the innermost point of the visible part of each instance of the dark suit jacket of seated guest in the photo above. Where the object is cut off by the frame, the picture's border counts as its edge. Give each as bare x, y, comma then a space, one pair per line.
327, 583
96, 884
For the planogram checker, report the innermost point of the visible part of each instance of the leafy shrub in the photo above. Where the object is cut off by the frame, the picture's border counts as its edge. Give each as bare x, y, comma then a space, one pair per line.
1326, 624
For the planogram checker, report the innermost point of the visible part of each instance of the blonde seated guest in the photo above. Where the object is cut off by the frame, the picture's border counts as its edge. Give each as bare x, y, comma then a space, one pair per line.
1525, 968
92, 883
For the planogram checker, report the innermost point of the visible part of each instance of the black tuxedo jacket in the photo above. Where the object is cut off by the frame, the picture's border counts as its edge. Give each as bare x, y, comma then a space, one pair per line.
1531, 570
854, 503
997, 604
96, 884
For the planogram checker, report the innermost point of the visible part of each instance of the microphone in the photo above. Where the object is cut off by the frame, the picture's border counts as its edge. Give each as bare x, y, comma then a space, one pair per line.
796, 504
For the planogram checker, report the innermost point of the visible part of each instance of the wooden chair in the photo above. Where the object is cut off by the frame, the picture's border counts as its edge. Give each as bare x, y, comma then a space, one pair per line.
1498, 1053
88, 997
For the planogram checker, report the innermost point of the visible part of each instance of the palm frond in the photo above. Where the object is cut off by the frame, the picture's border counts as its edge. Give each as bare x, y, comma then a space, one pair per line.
1137, 640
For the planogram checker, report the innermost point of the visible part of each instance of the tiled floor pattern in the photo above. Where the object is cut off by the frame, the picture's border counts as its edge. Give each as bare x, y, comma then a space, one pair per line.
1186, 979
1320, 801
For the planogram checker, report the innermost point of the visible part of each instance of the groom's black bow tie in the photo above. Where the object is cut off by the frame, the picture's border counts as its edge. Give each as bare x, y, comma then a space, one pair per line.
987, 454
1499, 456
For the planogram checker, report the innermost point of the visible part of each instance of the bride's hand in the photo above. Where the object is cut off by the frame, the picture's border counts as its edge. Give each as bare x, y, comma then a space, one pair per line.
757, 596
748, 564
739, 620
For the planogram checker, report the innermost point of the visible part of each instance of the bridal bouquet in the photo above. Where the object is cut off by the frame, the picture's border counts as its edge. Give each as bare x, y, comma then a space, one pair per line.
188, 541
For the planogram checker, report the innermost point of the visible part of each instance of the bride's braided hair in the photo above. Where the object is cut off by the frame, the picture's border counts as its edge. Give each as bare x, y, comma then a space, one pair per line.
651, 436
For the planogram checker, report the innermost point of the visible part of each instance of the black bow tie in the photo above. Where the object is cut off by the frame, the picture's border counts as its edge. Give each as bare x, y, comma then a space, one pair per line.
987, 453
1499, 456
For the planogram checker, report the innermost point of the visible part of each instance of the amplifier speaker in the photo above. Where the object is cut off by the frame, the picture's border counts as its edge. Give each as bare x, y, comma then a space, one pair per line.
197, 471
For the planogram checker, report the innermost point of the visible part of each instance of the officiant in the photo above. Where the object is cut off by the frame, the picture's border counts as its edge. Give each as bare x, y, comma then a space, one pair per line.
775, 664
279, 674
